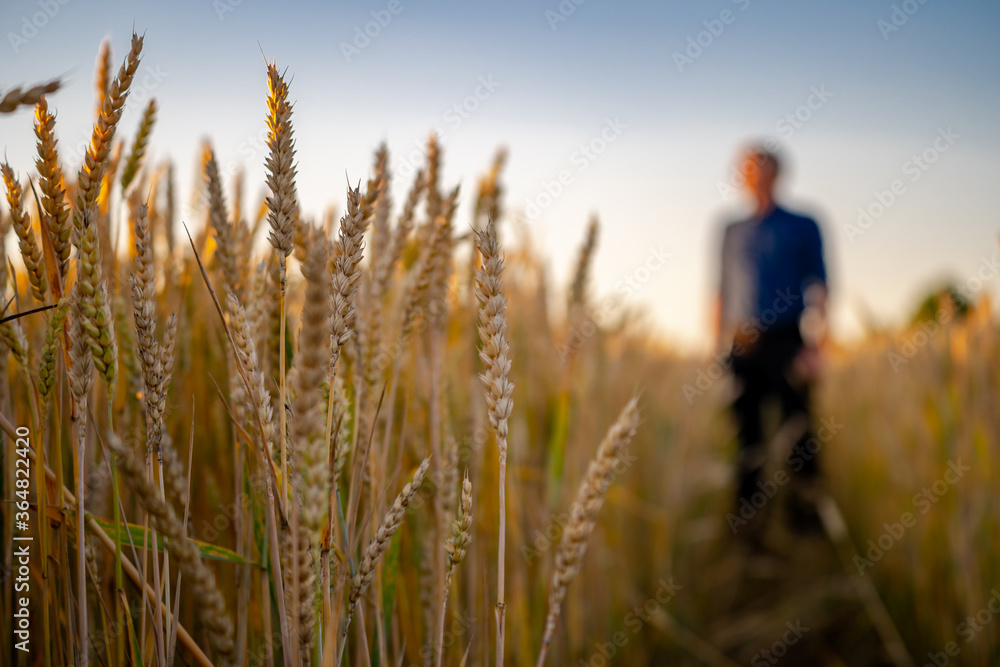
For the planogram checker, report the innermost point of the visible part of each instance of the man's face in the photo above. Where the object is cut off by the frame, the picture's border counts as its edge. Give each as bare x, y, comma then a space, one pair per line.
758, 174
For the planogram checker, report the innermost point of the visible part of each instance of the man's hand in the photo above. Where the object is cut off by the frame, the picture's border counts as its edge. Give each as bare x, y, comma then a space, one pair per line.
807, 365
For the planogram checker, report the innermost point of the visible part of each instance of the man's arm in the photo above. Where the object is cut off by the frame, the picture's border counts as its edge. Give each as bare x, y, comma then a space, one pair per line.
814, 288
720, 300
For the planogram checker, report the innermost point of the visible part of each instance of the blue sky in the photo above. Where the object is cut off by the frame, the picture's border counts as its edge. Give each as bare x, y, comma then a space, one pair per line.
879, 96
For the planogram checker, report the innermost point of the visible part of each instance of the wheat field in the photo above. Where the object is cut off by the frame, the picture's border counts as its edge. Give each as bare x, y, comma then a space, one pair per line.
256, 438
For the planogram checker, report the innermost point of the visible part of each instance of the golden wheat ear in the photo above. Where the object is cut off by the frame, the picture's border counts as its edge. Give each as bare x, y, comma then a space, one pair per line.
583, 515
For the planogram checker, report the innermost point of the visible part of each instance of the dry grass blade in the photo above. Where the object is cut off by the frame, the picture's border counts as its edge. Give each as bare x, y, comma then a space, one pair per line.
201, 581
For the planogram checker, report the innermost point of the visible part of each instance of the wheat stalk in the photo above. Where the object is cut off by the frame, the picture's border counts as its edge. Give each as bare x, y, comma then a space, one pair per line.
247, 355
280, 216
81, 378
495, 354
583, 513
311, 367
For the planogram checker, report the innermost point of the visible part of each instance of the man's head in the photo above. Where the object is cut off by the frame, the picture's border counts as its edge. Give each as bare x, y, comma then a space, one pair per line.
760, 168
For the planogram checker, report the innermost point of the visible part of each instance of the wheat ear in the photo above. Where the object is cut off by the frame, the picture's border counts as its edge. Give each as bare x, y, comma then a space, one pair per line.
346, 273
344, 285
583, 513
30, 251
94, 162
581, 276
98, 321
102, 81
380, 543
51, 184
280, 169
50, 350
16, 98
405, 223
280, 217
12, 335
225, 247
134, 161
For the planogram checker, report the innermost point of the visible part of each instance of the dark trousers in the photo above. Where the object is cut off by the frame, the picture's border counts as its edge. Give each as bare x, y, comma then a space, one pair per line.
763, 372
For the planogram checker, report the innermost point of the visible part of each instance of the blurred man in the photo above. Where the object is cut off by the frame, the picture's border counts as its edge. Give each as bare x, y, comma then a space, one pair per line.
771, 316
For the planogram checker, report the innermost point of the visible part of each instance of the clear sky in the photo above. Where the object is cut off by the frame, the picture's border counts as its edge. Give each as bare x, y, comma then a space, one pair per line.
663, 94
